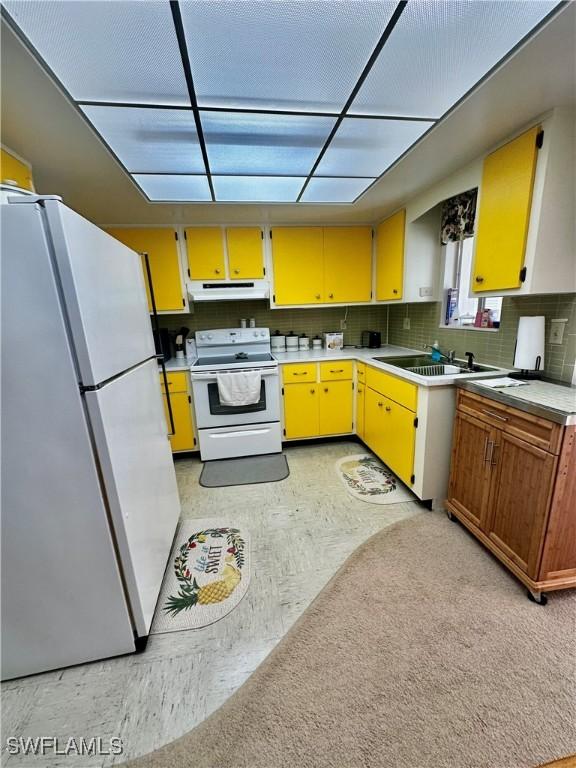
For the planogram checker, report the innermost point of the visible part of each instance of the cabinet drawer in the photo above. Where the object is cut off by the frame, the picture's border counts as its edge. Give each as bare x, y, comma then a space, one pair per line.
177, 382
361, 371
402, 392
294, 373
534, 430
339, 369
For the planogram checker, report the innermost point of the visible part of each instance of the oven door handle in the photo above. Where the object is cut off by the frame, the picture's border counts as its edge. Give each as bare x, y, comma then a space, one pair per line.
212, 375
240, 433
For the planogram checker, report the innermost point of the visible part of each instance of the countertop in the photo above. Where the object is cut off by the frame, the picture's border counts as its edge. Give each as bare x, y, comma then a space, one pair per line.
361, 354
556, 402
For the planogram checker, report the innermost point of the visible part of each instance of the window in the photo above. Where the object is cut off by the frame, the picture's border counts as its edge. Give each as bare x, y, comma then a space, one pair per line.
459, 310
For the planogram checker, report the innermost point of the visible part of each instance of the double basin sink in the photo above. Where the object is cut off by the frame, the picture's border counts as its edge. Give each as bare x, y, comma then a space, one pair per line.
424, 366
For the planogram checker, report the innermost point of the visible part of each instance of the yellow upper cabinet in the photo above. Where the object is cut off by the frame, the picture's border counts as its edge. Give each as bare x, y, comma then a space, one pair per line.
162, 248
205, 249
504, 213
390, 236
297, 254
347, 264
13, 169
245, 256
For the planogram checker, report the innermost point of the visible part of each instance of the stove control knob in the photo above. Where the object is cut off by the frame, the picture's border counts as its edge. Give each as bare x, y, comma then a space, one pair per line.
262, 333
202, 337
210, 336
255, 333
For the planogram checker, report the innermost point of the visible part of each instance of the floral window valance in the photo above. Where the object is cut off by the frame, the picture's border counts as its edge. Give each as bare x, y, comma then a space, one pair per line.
458, 215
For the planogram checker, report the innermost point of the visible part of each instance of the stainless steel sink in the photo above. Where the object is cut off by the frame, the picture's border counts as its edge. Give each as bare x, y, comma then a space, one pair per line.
425, 366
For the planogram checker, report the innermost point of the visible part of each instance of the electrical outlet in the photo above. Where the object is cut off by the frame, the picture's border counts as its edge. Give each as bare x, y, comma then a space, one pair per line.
342, 324
406, 324
426, 291
557, 330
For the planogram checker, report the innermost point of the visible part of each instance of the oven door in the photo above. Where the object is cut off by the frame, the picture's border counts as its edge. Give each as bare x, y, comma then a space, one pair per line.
210, 412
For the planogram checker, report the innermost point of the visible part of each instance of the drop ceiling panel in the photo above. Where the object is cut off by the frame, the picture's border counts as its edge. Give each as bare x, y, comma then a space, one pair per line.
241, 143
333, 190
148, 140
366, 147
438, 50
301, 55
118, 51
253, 189
174, 188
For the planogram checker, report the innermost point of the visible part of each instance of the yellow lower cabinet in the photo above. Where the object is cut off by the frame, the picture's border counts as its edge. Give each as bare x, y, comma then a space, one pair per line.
301, 413
183, 437
360, 399
390, 431
336, 401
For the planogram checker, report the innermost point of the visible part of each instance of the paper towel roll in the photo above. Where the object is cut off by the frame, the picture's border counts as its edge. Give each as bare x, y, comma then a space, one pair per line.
530, 344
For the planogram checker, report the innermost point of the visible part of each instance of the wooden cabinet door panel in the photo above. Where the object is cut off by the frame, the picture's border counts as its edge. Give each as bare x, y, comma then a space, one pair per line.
347, 264
205, 250
183, 437
390, 236
245, 257
161, 246
469, 489
301, 416
504, 214
360, 398
522, 484
336, 399
297, 255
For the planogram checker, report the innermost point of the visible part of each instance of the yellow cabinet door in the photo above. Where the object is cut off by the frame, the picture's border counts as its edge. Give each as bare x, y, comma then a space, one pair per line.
360, 398
336, 401
399, 437
183, 437
205, 250
297, 255
245, 256
12, 169
504, 214
301, 417
347, 264
162, 249
390, 257
374, 420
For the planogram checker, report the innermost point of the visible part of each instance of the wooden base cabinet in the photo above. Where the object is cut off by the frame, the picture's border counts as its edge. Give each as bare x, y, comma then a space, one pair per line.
512, 483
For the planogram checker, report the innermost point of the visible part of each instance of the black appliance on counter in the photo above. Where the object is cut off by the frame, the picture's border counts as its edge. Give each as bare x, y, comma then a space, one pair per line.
371, 339
162, 343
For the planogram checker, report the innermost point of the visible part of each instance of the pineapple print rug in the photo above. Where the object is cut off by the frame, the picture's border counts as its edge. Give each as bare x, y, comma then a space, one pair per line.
207, 575
367, 479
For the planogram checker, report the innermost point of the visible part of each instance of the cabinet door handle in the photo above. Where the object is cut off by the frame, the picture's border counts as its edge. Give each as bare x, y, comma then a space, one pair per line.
337, 370
325, 389
317, 295
217, 271
493, 460
479, 279
236, 271
330, 295
488, 451
312, 391
388, 408
395, 290
380, 405
299, 373
495, 415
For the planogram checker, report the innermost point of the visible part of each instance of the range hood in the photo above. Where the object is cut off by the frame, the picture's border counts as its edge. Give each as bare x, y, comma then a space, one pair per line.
221, 290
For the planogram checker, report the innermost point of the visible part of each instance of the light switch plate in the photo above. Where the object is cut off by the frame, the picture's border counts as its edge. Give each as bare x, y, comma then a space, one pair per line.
406, 324
557, 330
426, 291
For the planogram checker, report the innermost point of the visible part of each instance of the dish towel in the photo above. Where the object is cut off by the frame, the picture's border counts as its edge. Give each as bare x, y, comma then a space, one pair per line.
239, 388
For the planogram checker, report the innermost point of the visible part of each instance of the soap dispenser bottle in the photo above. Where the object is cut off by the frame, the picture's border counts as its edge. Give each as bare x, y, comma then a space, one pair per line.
436, 356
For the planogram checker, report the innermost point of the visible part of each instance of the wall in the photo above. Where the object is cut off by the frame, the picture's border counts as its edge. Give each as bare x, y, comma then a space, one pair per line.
227, 314
495, 348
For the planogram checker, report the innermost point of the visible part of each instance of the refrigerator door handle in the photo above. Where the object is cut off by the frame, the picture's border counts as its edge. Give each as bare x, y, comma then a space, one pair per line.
159, 357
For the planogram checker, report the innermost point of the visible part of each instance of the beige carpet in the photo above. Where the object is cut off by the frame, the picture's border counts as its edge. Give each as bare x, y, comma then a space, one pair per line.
422, 652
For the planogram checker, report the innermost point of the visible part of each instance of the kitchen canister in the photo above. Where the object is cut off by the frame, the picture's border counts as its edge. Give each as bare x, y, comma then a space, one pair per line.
316, 342
291, 342
304, 342
278, 342
243, 323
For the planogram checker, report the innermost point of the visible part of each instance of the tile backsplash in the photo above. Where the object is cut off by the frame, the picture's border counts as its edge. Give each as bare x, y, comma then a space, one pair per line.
497, 347
227, 314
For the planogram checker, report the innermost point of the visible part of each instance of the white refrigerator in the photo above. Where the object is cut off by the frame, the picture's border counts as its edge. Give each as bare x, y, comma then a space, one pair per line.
89, 497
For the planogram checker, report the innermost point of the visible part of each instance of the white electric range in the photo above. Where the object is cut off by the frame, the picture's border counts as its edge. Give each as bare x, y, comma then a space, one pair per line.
230, 431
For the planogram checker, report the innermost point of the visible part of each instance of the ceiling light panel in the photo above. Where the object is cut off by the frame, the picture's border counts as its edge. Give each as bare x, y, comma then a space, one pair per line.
168, 188
257, 189
439, 50
120, 51
333, 190
302, 55
262, 143
148, 140
367, 147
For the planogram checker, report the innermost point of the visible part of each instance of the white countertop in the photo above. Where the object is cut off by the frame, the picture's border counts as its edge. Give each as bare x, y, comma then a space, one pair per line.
365, 355
542, 398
